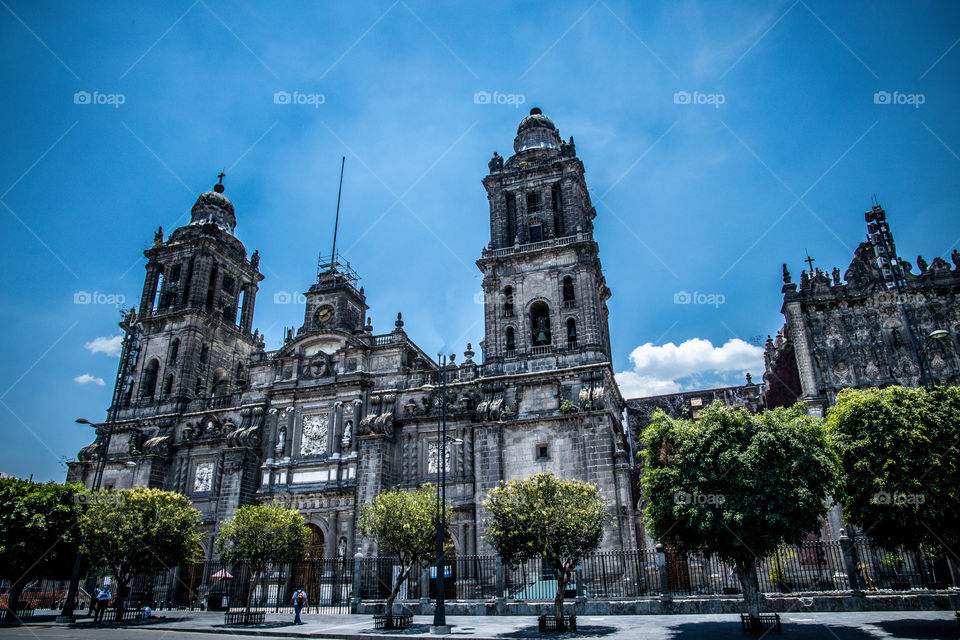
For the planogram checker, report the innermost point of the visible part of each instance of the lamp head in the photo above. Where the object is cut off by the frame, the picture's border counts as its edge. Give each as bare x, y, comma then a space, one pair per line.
938, 334
83, 421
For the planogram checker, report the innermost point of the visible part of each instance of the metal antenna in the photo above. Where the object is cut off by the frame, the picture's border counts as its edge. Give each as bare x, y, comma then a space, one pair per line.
336, 221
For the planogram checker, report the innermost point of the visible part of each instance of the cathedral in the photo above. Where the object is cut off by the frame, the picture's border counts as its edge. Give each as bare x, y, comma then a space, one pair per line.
338, 413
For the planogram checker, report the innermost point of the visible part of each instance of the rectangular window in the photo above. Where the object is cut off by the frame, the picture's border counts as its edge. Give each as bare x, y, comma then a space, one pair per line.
534, 204
511, 219
543, 452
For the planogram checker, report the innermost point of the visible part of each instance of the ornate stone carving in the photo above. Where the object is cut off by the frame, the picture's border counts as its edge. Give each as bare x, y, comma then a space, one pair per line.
203, 477
314, 435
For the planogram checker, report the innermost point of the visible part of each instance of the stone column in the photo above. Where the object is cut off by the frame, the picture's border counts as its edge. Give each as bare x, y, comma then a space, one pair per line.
849, 551
149, 288
662, 567
246, 312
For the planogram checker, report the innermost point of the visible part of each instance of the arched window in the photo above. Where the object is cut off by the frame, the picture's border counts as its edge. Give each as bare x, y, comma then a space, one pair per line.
148, 386
219, 383
511, 342
174, 351
508, 302
535, 229
240, 377
571, 332
569, 295
168, 385
540, 323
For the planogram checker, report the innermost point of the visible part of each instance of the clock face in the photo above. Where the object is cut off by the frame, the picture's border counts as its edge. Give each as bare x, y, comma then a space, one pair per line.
324, 315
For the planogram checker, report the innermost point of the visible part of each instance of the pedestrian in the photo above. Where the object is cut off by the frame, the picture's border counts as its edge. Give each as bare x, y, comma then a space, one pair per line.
94, 603
103, 602
299, 602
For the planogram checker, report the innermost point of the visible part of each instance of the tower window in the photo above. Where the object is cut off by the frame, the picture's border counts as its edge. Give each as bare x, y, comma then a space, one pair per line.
540, 323
511, 219
569, 294
511, 342
508, 302
534, 204
535, 229
149, 385
198, 390
174, 351
168, 385
559, 228
204, 354
571, 332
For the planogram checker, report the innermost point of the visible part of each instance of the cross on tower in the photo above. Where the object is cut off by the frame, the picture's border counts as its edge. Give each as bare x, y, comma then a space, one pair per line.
221, 175
810, 261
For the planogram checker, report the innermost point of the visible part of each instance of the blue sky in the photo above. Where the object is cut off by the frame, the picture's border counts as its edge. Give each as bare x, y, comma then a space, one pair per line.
778, 151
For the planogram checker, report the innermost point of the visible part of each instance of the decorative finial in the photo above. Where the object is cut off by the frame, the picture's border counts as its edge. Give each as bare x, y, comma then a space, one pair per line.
219, 186
786, 275
536, 111
399, 322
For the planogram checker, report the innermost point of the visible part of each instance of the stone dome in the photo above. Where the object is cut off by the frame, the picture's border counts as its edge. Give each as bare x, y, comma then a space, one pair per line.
213, 207
536, 131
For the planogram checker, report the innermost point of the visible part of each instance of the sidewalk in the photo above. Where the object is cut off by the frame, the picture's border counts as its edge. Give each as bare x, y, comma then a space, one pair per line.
806, 626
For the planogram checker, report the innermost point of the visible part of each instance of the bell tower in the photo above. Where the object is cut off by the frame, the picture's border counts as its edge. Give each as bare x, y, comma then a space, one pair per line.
544, 291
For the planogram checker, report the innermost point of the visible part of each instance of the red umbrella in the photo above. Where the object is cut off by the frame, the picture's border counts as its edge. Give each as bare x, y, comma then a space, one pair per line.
223, 574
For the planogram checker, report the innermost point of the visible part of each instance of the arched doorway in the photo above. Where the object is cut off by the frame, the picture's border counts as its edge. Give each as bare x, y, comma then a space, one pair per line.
309, 573
190, 580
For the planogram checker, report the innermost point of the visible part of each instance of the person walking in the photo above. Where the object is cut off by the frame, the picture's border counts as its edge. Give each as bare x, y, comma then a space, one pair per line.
299, 602
103, 602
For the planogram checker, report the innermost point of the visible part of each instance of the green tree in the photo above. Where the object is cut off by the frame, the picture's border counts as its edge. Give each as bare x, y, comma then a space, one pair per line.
736, 484
260, 535
404, 524
545, 517
139, 530
900, 464
38, 533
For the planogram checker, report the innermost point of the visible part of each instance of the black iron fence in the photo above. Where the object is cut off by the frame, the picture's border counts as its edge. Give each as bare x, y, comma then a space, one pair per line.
333, 584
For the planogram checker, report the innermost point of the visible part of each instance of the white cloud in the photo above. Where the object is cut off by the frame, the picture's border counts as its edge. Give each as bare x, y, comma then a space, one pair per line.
659, 369
88, 379
109, 345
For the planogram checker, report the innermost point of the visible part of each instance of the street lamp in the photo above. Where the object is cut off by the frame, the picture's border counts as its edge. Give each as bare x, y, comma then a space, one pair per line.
439, 615
932, 337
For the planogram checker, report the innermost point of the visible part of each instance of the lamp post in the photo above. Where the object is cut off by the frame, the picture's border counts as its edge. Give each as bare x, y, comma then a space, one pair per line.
439, 614
932, 337
128, 356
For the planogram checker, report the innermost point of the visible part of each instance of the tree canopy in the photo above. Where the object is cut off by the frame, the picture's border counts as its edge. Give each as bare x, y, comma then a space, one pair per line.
404, 524
139, 530
39, 532
900, 464
260, 535
546, 517
736, 484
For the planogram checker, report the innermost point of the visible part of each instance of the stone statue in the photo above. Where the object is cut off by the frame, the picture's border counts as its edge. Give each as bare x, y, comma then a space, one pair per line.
281, 440
496, 163
836, 276
955, 256
255, 258
786, 275
922, 265
158, 237
347, 438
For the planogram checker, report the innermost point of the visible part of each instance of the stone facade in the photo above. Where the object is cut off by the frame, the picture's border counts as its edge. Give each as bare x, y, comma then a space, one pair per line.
869, 329
338, 414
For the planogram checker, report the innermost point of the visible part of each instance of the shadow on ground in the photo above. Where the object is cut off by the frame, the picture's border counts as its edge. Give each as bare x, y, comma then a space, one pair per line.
910, 629
582, 631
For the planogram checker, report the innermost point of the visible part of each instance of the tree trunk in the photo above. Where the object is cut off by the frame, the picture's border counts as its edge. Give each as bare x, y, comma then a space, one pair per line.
253, 587
13, 600
747, 572
118, 602
563, 576
388, 604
